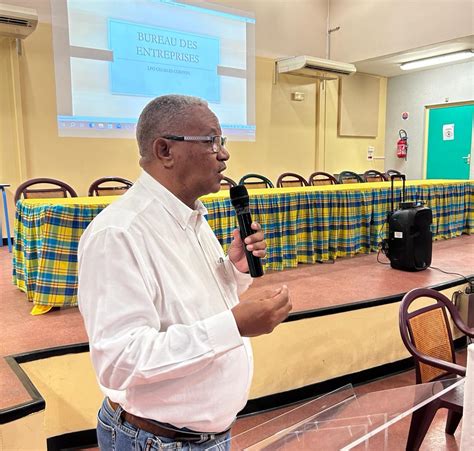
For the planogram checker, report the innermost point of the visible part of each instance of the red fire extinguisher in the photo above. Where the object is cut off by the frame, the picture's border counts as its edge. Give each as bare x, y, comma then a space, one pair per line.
402, 144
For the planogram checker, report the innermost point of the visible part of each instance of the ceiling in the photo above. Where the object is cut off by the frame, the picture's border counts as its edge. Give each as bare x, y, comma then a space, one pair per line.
388, 65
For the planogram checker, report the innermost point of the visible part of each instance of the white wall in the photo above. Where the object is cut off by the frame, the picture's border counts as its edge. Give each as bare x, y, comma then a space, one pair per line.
372, 28
411, 93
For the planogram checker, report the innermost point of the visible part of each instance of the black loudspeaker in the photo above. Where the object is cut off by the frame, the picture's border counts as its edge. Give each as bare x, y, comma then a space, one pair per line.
409, 244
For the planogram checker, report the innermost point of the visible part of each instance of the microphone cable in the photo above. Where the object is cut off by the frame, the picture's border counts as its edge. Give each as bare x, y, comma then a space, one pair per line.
383, 247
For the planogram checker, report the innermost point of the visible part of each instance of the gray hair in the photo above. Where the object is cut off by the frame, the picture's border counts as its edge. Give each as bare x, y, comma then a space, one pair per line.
163, 115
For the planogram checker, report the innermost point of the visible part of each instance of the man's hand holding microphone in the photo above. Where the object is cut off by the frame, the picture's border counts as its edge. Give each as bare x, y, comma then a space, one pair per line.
260, 316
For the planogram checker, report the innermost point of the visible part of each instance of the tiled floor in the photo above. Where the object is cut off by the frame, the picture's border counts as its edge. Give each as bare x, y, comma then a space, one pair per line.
311, 287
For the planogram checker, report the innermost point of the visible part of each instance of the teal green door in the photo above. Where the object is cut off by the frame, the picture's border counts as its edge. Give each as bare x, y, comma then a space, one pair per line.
449, 142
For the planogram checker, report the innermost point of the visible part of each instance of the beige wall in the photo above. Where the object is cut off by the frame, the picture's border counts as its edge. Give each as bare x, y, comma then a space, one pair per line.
24, 434
350, 153
372, 28
30, 146
287, 27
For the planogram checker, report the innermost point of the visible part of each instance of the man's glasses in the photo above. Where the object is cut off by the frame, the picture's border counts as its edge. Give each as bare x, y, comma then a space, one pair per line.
218, 142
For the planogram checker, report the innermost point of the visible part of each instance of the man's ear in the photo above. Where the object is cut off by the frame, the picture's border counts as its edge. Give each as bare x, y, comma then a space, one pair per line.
162, 152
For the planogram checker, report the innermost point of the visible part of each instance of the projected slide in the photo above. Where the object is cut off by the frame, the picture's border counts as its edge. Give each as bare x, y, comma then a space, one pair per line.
113, 57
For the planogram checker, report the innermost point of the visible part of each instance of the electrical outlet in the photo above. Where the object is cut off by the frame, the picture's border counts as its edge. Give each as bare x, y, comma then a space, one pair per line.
370, 153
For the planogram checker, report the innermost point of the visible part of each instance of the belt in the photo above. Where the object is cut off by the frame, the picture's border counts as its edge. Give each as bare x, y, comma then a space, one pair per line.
156, 429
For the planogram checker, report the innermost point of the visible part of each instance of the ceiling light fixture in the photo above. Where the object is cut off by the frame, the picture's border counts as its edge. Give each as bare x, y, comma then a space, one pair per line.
440, 59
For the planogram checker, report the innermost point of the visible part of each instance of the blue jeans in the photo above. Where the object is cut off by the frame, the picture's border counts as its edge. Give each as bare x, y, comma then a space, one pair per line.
114, 434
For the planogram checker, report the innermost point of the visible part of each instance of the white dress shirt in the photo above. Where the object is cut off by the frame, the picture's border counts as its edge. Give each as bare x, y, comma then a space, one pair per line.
155, 291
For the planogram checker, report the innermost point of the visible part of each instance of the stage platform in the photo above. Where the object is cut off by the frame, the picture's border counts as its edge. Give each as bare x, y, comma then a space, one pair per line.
344, 327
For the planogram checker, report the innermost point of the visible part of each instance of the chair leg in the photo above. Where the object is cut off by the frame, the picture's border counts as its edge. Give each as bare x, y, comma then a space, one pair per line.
452, 422
420, 423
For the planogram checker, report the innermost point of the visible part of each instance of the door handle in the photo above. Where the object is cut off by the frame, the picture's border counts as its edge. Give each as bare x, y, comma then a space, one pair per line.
468, 159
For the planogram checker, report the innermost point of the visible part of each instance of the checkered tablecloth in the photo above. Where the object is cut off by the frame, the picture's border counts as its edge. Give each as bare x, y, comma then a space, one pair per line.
302, 225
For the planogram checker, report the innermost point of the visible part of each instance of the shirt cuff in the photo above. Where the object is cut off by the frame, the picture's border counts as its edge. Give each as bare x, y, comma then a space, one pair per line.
223, 332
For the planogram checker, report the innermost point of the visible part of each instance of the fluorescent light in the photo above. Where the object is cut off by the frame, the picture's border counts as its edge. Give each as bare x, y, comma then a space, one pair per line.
441, 59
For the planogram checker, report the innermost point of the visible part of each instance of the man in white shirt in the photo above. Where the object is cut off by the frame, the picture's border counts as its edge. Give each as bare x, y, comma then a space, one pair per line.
160, 299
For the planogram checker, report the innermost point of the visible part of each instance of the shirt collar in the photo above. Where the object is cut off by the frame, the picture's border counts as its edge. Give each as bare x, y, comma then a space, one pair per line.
184, 215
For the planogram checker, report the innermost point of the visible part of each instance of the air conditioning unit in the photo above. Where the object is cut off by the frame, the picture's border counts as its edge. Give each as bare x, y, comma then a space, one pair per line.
17, 22
309, 66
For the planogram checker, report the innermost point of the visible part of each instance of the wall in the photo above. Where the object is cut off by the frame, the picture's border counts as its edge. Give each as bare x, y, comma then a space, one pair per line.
287, 27
411, 93
372, 28
289, 134
283, 127
350, 153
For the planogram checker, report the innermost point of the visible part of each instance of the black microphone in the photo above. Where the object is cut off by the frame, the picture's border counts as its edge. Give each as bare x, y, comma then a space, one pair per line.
240, 200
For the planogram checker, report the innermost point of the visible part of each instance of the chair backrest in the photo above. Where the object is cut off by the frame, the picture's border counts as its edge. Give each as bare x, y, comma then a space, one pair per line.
374, 176
290, 179
109, 186
322, 178
45, 188
227, 183
426, 333
350, 177
255, 181
394, 172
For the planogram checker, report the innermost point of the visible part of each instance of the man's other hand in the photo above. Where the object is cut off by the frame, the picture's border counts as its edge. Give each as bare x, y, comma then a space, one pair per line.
261, 316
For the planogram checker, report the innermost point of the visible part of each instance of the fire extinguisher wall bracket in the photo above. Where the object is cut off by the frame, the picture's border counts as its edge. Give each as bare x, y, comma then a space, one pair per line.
402, 144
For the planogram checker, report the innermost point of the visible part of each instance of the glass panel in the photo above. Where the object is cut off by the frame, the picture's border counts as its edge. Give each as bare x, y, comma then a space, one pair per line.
340, 420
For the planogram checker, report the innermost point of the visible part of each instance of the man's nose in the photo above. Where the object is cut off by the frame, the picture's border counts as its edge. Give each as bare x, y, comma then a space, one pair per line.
223, 154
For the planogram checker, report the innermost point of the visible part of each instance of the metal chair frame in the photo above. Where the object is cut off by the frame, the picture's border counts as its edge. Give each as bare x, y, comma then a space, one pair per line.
373, 175
227, 183
61, 189
290, 179
262, 180
391, 172
350, 175
98, 190
326, 177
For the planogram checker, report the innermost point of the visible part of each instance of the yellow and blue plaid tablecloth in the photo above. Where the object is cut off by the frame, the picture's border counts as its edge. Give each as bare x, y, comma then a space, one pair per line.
302, 225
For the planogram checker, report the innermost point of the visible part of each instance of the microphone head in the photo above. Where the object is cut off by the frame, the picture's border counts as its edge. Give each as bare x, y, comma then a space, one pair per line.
239, 196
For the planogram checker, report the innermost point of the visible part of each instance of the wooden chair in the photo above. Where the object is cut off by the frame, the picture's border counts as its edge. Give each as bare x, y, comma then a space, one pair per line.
427, 335
322, 178
109, 186
253, 181
291, 179
394, 172
374, 176
45, 188
350, 177
227, 183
